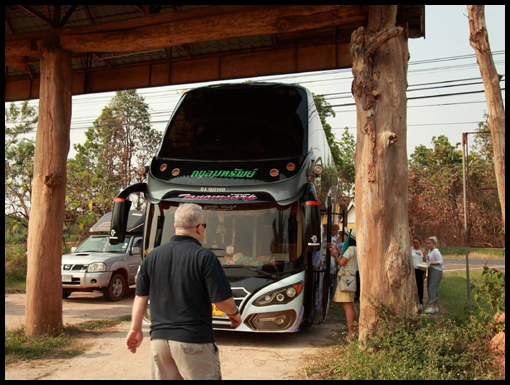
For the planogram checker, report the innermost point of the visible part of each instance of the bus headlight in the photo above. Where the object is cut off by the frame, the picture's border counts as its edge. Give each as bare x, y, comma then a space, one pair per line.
280, 296
291, 292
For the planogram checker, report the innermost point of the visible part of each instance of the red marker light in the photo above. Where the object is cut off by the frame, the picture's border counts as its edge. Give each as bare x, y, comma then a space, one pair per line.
274, 172
291, 167
176, 172
163, 167
317, 170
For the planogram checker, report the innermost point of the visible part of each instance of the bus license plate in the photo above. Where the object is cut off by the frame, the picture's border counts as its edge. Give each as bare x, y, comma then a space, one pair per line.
67, 278
216, 311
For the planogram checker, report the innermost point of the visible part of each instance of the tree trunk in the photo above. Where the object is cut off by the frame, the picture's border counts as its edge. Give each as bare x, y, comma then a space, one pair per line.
43, 310
479, 40
380, 55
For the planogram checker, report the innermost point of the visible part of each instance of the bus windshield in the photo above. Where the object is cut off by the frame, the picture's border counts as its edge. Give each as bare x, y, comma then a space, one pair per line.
264, 237
245, 122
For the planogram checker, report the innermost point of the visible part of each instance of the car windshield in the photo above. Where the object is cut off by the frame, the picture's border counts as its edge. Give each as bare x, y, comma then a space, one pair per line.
101, 244
264, 236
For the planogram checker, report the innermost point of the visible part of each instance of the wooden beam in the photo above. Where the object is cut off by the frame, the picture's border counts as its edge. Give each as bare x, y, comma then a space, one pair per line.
186, 27
239, 64
254, 20
35, 13
43, 305
68, 15
17, 62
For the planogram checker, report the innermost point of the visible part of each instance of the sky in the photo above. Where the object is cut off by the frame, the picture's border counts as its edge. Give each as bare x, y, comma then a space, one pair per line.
441, 63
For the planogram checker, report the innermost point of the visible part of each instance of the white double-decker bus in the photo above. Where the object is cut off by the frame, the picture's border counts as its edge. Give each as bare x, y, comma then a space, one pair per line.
247, 153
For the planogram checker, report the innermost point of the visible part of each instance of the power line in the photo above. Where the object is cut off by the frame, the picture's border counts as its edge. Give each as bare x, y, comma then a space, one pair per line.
431, 105
425, 97
421, 125
441, 84
173, 94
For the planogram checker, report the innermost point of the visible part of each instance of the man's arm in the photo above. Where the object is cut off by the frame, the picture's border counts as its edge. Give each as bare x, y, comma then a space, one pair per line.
230, 309
135, 335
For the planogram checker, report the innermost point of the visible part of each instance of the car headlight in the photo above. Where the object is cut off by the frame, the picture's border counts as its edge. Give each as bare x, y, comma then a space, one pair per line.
96, 267
280, 296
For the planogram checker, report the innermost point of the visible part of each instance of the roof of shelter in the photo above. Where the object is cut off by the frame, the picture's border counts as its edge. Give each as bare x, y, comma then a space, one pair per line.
134, 46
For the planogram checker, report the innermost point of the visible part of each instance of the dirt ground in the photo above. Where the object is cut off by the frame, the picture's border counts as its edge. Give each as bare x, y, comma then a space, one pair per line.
244, 356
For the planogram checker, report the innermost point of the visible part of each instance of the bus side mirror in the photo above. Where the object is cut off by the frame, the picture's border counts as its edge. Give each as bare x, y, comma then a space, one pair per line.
312, 220
119, 220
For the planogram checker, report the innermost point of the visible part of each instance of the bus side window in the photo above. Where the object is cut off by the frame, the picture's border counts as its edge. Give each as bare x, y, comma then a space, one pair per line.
159, 231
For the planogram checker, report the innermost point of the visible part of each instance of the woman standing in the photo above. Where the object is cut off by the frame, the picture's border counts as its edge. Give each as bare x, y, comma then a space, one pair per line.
347, 262
419, 255
436, 268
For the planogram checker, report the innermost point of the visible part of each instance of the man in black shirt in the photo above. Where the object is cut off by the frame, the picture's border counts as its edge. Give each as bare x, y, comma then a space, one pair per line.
182, 280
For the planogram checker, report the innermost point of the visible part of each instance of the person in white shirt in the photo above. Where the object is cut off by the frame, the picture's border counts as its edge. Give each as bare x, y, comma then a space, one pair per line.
436, 268
419, 255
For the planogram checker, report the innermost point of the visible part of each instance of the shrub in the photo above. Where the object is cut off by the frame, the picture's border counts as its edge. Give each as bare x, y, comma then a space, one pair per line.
15, 265
424, 347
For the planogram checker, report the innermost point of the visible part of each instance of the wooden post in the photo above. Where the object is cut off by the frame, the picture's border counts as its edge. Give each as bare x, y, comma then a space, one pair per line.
43, 307
479, 40
380, 55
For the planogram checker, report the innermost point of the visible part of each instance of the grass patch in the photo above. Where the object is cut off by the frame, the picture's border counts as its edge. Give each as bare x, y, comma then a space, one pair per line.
453, 293
449, 346
474, 252
19, 347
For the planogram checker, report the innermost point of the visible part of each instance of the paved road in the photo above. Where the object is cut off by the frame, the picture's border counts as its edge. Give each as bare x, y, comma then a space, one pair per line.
456, 264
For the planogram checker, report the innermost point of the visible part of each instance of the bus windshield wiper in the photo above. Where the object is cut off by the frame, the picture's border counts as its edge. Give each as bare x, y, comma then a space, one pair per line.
256, 269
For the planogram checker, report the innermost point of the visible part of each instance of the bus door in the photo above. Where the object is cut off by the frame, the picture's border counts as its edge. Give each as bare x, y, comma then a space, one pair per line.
327, 266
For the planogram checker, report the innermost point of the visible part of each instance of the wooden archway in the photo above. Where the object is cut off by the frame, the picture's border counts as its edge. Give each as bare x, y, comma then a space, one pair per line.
55, 51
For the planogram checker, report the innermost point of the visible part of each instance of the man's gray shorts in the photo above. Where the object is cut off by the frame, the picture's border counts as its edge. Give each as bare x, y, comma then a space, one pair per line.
173, 360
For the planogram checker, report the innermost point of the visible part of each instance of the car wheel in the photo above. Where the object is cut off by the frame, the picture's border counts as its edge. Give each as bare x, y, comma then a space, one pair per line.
116, 289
